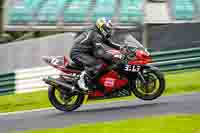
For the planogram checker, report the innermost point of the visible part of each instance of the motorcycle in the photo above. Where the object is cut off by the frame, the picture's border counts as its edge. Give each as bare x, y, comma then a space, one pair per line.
132, 75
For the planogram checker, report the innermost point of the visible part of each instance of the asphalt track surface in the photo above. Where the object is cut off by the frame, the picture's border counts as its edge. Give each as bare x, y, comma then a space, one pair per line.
52, 118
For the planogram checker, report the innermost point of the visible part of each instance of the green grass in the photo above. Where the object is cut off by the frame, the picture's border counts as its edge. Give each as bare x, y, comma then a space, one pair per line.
153, 124
24, 101
175, 83
181, 82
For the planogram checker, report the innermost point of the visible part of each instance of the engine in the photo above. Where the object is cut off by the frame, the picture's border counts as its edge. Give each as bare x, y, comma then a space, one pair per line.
112, 80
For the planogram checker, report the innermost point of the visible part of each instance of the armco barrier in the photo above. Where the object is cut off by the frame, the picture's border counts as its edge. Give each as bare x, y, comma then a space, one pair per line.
177, 59
29, 80
176, 54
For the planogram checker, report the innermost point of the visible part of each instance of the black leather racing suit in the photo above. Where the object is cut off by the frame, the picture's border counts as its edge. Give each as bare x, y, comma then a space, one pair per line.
88, 46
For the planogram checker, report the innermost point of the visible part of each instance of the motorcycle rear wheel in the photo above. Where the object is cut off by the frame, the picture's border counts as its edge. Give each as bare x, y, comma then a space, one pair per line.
146, 92
62, 101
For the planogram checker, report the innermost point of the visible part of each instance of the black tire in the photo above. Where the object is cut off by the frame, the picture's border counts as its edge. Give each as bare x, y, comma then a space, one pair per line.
158, 93
62, 107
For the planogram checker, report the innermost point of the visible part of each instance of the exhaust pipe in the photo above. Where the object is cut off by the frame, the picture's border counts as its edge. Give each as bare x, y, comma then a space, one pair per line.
55, 82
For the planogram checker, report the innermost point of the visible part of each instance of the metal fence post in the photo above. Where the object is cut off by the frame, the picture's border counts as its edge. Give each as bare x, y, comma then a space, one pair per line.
1, 15
145, 35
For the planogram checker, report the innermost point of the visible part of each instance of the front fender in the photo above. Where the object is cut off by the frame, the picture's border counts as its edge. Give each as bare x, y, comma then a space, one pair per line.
149, 67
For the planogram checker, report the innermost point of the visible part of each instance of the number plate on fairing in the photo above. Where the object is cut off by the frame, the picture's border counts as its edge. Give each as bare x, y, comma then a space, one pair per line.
132, 68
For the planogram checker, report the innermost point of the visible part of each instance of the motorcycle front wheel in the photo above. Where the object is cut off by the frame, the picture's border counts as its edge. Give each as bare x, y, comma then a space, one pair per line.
154, 87
63, 101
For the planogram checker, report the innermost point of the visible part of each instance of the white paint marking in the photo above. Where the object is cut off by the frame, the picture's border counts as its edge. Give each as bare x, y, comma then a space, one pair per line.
26, 111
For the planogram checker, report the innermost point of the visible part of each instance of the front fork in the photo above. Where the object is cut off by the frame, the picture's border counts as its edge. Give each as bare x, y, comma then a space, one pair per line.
142, 78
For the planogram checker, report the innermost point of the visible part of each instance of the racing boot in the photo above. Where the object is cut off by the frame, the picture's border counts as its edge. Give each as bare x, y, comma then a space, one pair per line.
82, 81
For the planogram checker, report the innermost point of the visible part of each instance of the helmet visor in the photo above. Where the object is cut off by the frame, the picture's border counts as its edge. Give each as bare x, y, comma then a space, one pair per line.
108, 29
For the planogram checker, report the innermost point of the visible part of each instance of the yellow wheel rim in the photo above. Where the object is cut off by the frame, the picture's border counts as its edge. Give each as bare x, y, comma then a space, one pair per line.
151, 88
67, 101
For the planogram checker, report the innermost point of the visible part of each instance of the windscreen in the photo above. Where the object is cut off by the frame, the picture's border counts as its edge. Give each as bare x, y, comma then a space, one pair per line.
131, 41
122, 37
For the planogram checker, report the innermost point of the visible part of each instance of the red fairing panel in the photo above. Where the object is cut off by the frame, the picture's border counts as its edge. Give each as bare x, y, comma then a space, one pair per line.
111, 81
96, 93
141, 58
62, 68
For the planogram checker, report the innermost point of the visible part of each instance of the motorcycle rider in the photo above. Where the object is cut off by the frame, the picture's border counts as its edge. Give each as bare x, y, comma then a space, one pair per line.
89, 45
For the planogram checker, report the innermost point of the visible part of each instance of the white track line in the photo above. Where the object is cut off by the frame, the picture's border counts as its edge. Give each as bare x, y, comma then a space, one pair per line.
52, 108
26, 111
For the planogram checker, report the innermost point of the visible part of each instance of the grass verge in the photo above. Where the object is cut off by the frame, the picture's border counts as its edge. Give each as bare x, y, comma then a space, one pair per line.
153, 124
175, 83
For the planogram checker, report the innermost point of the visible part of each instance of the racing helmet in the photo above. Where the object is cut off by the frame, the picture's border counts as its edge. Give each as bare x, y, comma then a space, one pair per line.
104, 25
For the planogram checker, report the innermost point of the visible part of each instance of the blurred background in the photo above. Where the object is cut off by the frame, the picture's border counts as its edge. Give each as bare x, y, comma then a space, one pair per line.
158, 24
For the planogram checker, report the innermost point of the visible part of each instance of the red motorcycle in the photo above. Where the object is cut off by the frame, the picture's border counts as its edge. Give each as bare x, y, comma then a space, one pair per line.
132, 75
